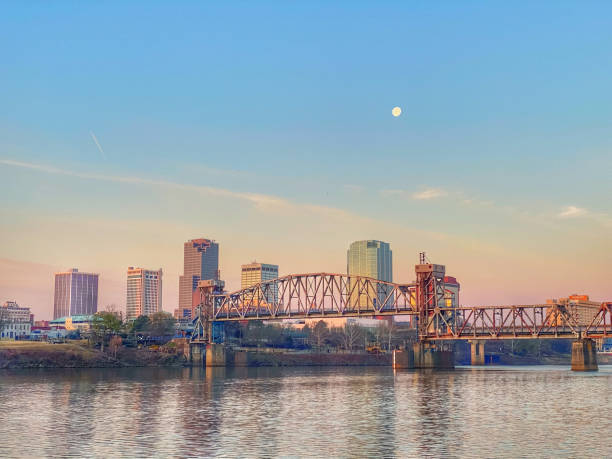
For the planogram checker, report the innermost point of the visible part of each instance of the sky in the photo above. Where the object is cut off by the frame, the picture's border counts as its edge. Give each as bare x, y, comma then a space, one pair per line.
127, 128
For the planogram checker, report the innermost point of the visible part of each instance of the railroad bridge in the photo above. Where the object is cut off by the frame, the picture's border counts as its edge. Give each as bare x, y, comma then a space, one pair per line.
326, 295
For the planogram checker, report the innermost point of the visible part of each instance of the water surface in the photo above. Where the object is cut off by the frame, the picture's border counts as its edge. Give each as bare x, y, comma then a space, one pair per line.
314, 412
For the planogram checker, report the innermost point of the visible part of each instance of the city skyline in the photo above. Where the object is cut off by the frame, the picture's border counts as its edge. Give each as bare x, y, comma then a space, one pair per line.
498, 165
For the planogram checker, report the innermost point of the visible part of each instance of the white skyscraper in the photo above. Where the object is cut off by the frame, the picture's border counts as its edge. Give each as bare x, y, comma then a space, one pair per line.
144, 292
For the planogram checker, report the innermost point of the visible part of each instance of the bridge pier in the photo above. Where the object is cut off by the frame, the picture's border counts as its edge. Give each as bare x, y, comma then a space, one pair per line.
477, 352
403, 359
427, 355
197, 353
216, 355
423, 356
584, 355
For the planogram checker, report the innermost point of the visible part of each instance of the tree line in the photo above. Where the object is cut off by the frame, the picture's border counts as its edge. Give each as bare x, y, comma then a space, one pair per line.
319, 336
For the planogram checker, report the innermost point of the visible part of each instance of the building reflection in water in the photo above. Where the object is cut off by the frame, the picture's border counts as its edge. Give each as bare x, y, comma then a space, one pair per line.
321, 412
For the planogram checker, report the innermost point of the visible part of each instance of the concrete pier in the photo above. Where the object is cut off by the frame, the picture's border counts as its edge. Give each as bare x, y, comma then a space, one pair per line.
216, 355
197, 353
425, 356
477, 354
431, 357
403, 359
584, 355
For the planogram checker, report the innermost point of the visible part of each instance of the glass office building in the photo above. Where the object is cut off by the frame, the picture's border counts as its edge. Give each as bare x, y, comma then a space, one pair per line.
370, 259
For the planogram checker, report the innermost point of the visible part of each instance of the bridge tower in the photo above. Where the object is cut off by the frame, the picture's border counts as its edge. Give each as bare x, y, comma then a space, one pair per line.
430, 293
202, 347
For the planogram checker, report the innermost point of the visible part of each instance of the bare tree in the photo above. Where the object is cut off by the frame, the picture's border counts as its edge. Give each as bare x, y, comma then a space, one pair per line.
384, 333
114, 310
351, 334
319, 333
115, 344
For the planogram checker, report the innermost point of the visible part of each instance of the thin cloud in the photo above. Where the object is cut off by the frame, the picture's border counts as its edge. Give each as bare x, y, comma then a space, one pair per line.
255, 198
218, 172
572, 212
430, 193
262, 201
392, 192
93, 136
353, 188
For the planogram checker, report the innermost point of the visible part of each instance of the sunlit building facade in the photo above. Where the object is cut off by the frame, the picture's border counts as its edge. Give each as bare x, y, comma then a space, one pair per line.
76, 293
15, 321
254, 273
144, 292
580, 308
451, 292
200, 262
374, 259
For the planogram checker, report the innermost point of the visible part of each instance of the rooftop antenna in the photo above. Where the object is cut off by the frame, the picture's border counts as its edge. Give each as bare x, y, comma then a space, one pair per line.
422, 258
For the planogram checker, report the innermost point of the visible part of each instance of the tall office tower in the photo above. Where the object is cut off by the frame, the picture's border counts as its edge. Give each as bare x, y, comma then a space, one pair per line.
370, 259
201, 262
254, 273
144, 292
75, 294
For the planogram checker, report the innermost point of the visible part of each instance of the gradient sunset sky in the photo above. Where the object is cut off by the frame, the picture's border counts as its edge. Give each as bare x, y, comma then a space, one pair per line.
127, 128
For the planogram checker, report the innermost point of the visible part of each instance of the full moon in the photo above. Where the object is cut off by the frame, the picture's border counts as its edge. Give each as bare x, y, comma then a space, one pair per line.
396, 111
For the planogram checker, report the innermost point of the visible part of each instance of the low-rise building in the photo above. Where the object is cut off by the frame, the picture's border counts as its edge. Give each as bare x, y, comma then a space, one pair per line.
70, 323
15, 321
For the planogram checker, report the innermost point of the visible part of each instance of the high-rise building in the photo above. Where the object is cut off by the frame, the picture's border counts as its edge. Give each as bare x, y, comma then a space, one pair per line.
75, 293
201, 262
144, 292
370, 259
254, 273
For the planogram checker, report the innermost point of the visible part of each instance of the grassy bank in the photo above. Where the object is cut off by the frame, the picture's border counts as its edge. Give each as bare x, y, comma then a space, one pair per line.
24, 354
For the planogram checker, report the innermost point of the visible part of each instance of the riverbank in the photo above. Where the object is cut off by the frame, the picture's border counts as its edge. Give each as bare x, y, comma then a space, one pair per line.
24, 354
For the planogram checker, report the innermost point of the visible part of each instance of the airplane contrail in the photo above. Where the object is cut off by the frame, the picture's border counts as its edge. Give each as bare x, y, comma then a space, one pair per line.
93, 136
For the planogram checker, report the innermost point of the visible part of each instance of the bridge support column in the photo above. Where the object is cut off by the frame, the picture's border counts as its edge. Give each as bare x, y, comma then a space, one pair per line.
477, 352
216, 355
427, 355
197, 351
403, 359
584, 355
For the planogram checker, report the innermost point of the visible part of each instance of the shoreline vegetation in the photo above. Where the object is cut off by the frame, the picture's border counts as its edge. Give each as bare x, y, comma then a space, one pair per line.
148, 342
77, 354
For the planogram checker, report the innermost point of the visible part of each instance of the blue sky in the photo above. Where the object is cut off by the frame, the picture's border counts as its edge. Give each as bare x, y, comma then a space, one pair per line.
501, 155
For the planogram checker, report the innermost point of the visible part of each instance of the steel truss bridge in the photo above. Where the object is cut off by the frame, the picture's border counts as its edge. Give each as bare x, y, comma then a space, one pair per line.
325, 295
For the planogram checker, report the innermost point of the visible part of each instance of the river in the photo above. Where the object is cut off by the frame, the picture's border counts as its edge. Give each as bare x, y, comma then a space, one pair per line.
542, 411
